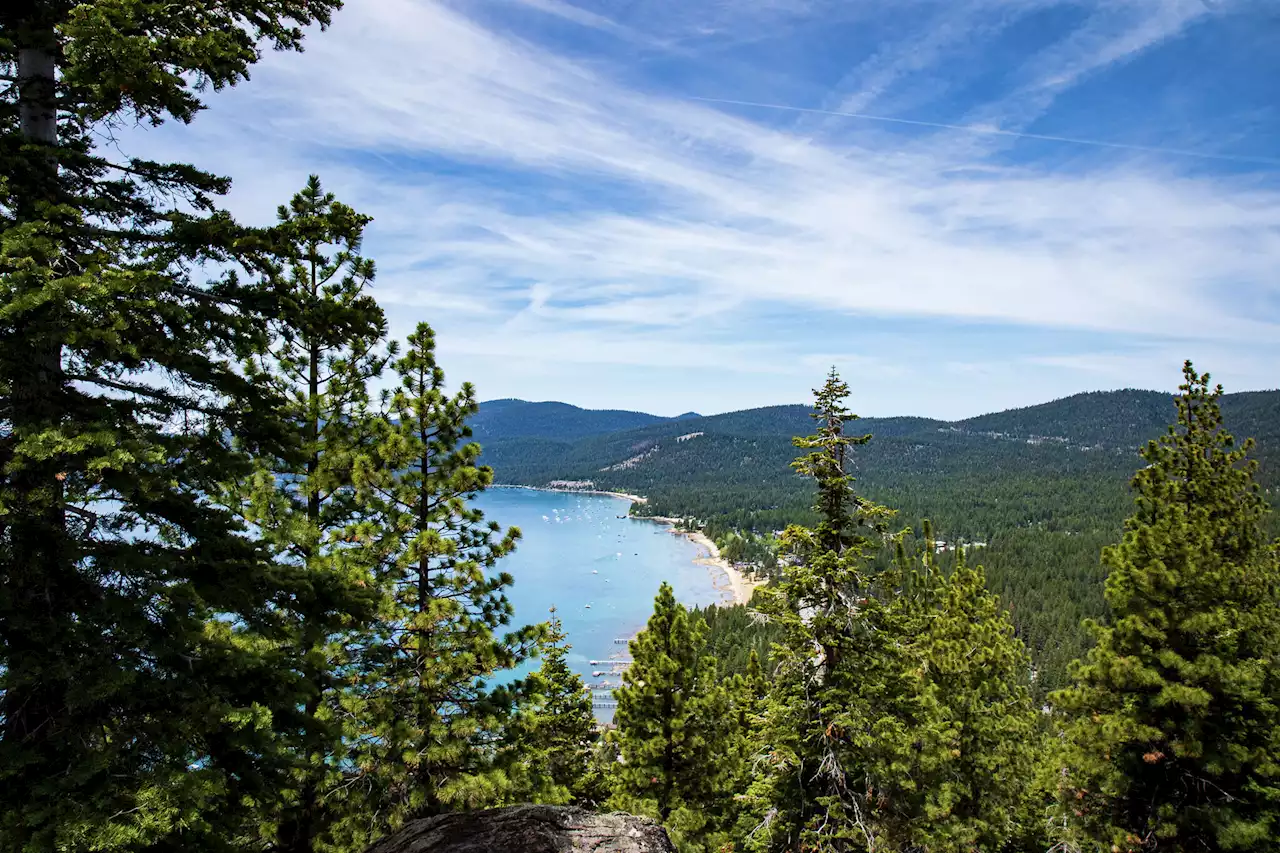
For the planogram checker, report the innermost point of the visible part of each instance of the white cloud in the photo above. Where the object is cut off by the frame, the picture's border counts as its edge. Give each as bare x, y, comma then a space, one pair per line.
606, 223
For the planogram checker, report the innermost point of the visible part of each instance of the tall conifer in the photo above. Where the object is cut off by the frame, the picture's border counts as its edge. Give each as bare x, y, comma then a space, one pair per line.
1173, 722
433, 719
899, 717
128, 712
313, 506
841, 686
963, 780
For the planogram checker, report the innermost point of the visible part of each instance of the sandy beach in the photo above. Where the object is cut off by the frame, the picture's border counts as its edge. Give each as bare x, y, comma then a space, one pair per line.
737, 586
740, 587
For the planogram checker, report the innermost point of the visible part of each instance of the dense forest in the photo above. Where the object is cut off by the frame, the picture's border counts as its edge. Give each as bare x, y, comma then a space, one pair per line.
248, 604
1043, 488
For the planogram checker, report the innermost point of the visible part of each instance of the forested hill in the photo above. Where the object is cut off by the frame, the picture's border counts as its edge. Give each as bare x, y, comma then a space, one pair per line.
1045, 487
506, 419
736, 465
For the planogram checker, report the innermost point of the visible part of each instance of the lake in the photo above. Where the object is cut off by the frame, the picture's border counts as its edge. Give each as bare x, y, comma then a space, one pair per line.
600, 570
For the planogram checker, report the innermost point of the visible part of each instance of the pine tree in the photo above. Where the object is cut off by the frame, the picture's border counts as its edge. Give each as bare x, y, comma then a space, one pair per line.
313, 506
749, 693
900, 717
128, 711
553, 738
433, 721
1173, 721
841, 690
755, 692
972, 760
671, 732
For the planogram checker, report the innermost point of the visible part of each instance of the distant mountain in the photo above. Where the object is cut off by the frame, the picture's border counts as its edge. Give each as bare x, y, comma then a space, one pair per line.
1044, 488
500, 420
1114, 418
1018, 466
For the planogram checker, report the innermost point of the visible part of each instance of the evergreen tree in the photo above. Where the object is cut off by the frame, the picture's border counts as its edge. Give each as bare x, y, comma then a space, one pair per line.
433, 722
554, 737
897, 685
138, 677
841, 691
673, 729
1173, 721
749, 693
755, 690
313, 506
970, 766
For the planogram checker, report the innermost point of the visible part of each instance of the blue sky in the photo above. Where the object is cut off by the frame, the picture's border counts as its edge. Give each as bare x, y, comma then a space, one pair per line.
676, 205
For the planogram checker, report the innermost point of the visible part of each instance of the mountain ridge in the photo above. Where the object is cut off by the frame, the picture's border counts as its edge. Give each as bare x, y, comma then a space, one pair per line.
1126, 417
746, 455
510, 417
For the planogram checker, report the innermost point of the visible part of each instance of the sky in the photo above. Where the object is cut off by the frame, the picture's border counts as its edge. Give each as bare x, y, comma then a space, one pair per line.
703, 205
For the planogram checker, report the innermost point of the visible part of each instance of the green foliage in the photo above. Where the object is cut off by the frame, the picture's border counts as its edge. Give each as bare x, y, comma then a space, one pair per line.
899, 716
312, 506
837, 656
553, 739
1172, 721
246, 606
733, 634
674, 730
969, 784
429, 720
142, 680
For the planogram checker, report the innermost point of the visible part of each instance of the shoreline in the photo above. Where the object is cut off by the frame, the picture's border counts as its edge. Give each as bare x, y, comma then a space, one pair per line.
739, 588
623, 495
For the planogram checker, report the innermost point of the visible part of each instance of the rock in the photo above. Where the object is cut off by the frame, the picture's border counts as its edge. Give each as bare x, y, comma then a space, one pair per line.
528, 829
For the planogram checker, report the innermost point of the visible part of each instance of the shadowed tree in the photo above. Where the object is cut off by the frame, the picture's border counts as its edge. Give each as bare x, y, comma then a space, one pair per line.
138, 675
553, 739
673, 729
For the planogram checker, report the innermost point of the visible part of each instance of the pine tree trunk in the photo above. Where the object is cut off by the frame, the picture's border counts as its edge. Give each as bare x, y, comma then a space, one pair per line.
424, 777
41, 578
668, 752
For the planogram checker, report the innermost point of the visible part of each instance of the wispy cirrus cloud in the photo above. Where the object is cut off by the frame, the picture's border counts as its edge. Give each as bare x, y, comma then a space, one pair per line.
556, 202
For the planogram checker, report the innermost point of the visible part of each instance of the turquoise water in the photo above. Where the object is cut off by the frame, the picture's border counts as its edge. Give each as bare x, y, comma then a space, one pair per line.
600, 571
